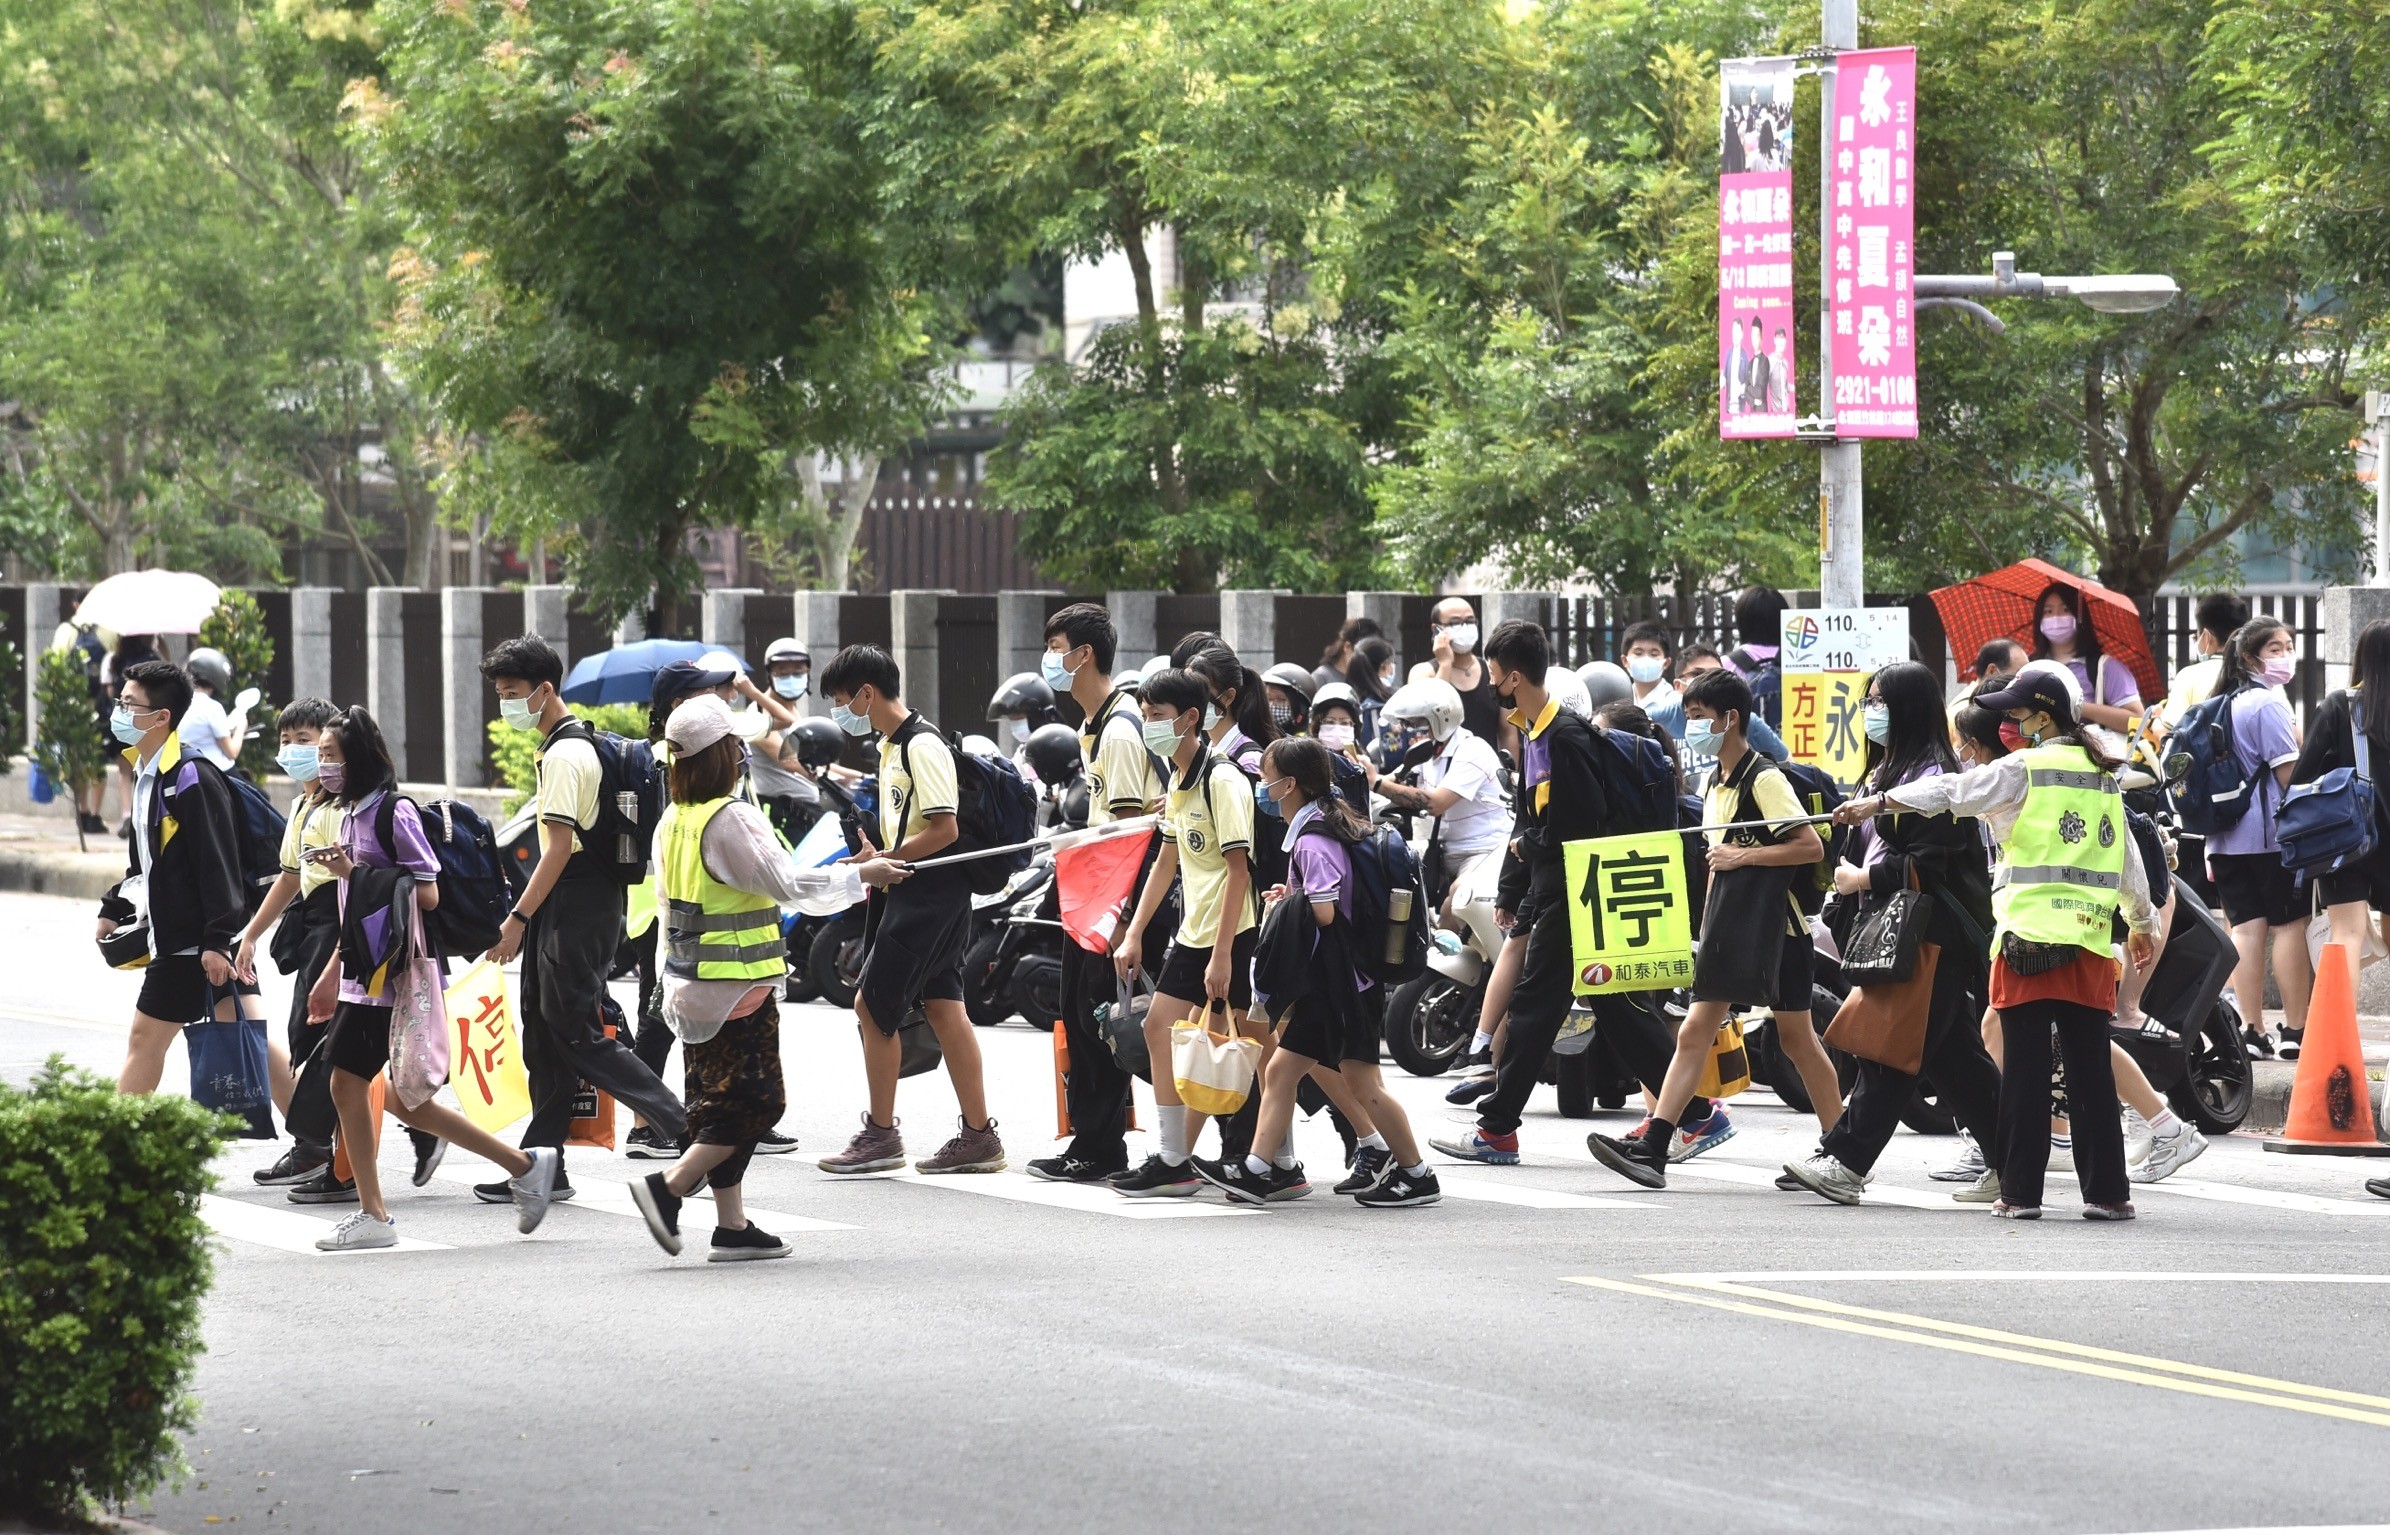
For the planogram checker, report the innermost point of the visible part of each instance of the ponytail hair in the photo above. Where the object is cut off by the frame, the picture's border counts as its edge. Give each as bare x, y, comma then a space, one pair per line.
1218, 666
1306, 762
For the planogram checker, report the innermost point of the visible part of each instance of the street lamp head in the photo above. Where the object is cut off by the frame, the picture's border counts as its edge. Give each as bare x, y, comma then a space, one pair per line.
2132, 293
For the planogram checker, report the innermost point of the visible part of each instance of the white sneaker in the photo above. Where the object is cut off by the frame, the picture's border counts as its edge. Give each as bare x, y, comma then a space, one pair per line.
532, 1190
1983, 1191
1967, 1168
2169, 1152
1825, 1176
359, 1233
2137, 1135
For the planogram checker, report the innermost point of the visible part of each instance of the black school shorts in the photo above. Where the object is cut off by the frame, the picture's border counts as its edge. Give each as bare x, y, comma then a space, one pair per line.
1183, 967
2254, 886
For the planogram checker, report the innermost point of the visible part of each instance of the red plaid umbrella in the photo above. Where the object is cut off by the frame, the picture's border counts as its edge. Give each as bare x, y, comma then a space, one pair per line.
2002, 605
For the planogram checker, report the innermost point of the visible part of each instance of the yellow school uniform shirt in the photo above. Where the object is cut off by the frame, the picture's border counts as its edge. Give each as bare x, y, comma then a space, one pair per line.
1772, 796
1210, 812
303, 833
1120, 770
916, 781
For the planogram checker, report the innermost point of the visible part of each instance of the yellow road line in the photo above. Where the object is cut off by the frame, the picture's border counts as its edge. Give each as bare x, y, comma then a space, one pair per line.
1956, 1345
2053, 1345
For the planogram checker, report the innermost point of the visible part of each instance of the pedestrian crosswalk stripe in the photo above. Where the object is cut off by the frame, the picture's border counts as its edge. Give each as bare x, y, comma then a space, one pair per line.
613, 1198
2277, 1199
287, 1230
1493, 1192
1084, 1197
1765, 1177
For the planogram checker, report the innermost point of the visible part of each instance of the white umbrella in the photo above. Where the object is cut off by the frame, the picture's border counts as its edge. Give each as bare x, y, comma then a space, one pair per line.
150, 602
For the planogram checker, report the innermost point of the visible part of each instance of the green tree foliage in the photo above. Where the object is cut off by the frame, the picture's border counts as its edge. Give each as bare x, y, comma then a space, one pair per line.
649, 263
191, 272
105, 1263
69, 745
238, 628
1226, 433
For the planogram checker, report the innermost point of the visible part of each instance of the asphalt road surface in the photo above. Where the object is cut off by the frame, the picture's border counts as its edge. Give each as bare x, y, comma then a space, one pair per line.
1546, 1350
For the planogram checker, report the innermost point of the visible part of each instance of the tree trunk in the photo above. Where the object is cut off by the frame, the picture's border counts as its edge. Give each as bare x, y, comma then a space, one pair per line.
1169, 485
836, 524
664, 605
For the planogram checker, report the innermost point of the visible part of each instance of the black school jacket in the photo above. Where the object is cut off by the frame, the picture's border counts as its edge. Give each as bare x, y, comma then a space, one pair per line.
1952, 868
196, 898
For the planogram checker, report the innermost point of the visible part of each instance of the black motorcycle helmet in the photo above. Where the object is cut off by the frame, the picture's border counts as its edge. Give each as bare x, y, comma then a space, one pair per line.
1054, 752
818, 742
1024, 695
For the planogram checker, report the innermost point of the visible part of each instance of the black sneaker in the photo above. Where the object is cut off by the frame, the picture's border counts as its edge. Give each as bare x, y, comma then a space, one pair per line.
429, 1149
1371, 1164
1469, 1089
1156, 1179
1402, 1191
1627, 1159
775, 1144
503, 1191
661, 1208
1069, 1169
1232, 1177
745, 1245
300, 1164
324, 1189
644, 1145
2378, 1187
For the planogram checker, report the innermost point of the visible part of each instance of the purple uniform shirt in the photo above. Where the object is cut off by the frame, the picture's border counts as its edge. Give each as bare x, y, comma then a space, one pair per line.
413, 854
1318, 867
2117, 675
2263, 738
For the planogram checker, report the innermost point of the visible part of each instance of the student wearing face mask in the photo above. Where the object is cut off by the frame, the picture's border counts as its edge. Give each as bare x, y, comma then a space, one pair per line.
1701, 755
1207, 838
1647, 650
2262, 901
1289, 688
1020, 706
1336, 722
2063, 632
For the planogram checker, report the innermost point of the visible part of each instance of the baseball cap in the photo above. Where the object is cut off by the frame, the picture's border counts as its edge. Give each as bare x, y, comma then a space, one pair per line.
681, 678
698, 724
786, 649
2044, 685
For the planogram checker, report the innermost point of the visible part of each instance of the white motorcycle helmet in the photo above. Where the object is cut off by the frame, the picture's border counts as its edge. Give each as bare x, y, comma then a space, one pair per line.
1432, 702
1569, 689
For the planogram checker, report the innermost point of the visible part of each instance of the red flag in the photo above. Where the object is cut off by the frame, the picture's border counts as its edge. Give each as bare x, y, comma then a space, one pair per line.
1097, 881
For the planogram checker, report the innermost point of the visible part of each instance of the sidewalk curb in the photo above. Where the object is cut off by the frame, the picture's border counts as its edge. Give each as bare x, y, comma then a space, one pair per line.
82, 876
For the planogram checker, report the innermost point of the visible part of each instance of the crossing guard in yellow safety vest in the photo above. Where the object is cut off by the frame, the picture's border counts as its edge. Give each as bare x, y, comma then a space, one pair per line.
712, 931
2064, 873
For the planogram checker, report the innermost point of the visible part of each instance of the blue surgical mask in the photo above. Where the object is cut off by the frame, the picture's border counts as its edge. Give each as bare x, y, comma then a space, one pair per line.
849, 721
1702, 737
1211, 718
296, 762
1057, 675
518, 713
1646, 668
789, 687
121, 725
1161, 737
1876, 720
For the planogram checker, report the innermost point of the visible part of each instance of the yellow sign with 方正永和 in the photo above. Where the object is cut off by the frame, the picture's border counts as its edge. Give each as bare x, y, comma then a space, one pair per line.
1821, 722
1629, 912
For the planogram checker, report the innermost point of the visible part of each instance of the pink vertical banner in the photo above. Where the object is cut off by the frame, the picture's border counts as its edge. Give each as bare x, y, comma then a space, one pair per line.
1755, 248
1873, 246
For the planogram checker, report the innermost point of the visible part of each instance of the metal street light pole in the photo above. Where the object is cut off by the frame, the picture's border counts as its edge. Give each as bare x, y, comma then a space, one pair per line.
1841, 524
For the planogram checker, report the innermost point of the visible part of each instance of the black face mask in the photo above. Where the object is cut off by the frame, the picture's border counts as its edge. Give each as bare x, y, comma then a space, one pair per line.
1507, 699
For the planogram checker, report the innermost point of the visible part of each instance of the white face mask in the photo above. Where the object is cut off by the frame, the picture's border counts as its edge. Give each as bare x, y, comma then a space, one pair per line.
1463, 637
1336, 736
1019, 730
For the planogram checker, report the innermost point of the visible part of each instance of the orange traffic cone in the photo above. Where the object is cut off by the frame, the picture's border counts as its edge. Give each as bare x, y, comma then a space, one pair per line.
1062, 1069
2331, 1106
376, 1094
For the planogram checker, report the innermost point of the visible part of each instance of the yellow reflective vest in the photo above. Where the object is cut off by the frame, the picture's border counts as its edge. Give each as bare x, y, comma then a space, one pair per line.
2064, 871
712, 931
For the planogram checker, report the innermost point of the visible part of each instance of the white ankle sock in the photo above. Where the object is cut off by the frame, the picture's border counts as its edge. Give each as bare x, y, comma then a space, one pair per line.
1482, 1043
1174, 1133
1373, 1140
1419, 1171
2165, 1117
1256, 1166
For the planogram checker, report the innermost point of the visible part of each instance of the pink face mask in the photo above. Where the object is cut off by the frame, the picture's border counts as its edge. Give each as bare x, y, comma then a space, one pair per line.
2278, 671
2058, 628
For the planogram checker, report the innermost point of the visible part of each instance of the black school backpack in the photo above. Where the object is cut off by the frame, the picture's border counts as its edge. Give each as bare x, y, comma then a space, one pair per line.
630, 802
1638, 778
260, 827
1767, 686
1819, 794
1383, 867
474, 894
993, 807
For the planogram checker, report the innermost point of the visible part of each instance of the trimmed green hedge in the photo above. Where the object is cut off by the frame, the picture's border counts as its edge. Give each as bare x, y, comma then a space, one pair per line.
103, 1261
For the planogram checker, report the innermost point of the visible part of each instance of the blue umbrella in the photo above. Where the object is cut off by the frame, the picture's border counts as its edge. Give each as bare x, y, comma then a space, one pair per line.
626, 674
